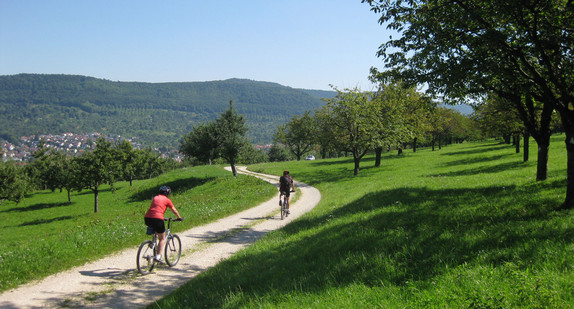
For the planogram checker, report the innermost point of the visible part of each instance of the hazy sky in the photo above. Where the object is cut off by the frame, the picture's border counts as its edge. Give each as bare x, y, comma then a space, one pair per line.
297, 43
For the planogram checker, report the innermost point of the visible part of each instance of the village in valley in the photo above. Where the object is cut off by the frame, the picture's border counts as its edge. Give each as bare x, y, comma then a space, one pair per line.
73, 144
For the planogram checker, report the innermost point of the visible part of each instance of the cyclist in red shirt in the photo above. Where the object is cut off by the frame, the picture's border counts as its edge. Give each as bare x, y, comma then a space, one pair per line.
154, 216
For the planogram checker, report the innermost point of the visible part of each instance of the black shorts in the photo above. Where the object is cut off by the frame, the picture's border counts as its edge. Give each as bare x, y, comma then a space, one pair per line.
286, 193
158, 225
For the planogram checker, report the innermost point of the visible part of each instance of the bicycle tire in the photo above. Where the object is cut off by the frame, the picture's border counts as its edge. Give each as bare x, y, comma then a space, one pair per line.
145, 259
172, 250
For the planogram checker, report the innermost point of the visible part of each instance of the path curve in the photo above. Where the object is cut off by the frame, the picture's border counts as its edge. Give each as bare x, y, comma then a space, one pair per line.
112, 282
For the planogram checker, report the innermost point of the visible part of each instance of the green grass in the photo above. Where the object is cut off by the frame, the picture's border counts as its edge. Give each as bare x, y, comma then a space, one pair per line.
45, 234
464, 227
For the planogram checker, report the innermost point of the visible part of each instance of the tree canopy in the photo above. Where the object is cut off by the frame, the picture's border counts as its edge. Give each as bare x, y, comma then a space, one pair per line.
520, 50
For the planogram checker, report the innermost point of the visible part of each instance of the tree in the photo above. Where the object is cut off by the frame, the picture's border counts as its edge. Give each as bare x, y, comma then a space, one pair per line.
352, 117
298, 134
401, 117
387, 113
499, 119
522, 51
95, 168
325, 135
230, 132
224, 137
14, 182
201, 143
278, 153
127, 158
50, 170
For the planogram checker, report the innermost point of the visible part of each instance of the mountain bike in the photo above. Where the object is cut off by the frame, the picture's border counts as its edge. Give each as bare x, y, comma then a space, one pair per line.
148, 249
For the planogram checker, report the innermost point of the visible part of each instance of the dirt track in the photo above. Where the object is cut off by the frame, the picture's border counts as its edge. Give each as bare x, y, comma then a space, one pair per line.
112, 282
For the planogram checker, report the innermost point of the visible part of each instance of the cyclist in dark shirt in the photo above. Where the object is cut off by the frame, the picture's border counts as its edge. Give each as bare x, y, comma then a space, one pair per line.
286, 186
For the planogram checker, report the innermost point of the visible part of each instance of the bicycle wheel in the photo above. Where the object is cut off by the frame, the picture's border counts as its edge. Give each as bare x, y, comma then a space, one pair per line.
145, 259
172, 250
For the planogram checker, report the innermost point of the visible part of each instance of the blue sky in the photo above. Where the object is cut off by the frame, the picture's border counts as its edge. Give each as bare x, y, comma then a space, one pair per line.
298, 43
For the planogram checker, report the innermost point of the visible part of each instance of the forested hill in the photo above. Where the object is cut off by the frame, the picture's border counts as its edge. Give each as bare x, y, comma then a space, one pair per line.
158, 114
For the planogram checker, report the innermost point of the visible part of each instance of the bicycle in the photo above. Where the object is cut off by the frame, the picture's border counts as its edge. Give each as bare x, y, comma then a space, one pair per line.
284, 205
148, 249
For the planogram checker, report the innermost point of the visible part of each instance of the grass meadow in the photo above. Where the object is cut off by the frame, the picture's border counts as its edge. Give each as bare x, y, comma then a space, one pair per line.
44, 234
466, 226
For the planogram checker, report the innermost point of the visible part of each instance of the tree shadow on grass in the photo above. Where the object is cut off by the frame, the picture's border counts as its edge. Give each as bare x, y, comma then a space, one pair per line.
391, 237
476, 160
44, 221
39, 206
180, 185
482, 169
478, 149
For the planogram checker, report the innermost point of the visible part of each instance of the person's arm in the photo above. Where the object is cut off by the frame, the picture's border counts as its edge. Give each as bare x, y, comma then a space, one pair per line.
293, 184
174, 210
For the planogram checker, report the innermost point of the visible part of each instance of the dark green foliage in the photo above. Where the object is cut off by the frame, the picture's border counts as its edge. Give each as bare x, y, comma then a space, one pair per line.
278, 154
222, 138
14, 182
299, 134
158, 114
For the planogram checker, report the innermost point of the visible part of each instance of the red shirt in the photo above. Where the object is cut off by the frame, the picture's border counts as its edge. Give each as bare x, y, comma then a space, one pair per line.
159, 205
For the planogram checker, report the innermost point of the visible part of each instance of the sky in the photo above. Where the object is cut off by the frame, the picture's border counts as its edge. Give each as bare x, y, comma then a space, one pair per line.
310, 44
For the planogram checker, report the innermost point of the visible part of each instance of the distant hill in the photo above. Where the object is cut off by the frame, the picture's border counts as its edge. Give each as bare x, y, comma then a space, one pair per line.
158, 114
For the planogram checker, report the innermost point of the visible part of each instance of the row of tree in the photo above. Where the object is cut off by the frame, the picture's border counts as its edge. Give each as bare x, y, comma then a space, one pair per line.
55, 170
359, 122
520, 52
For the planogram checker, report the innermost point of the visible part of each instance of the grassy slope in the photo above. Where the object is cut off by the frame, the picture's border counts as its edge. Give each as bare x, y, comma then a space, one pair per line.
44, 234
466, 226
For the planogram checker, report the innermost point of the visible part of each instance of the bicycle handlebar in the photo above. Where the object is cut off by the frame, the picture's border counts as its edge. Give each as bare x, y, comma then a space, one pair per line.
172, 219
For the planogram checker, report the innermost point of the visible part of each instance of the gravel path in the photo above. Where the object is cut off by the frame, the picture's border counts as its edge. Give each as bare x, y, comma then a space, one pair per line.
113, 282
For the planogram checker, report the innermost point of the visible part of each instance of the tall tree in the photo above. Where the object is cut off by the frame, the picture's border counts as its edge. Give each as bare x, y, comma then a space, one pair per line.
230, 132
298, 134
522, 51
224, 137
352, 116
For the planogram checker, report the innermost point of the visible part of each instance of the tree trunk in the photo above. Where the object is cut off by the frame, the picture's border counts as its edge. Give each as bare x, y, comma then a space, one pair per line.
526, 146
357, 161
378, 152
96, 193
517, 142
542, 164
568, 124
415, 145
69, 195
233, 169
439, 142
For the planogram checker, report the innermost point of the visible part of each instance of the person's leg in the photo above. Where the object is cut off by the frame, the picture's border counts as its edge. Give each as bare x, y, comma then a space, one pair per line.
161, 244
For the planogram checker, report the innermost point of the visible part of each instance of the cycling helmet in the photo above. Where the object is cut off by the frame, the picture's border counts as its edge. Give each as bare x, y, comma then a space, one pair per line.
164, 190
285, 172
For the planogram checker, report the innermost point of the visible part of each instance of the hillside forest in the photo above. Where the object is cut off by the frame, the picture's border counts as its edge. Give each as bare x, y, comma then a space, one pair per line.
157, 114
